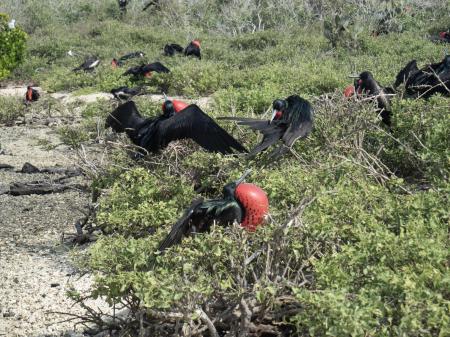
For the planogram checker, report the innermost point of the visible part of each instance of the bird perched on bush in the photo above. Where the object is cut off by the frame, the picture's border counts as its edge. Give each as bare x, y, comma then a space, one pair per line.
193, 49
366, 85
31, 95
147, 69
425, 82
89, 64
243, 203
292, 119
178, 121
125, 93
171, 48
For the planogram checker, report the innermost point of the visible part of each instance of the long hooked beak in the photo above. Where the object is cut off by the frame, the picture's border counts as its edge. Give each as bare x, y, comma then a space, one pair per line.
242, 178
353, 76
274, 113
165, 96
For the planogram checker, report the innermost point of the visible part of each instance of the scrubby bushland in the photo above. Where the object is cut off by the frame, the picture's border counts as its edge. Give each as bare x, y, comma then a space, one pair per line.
357, 240
12, 46
351, 249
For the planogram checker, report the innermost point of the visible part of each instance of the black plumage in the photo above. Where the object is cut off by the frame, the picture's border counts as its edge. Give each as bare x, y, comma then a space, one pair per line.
193, 49
89, 64
427, 81
31, 95
136, 54
201, 215
367, 85
126, 93
155, 133
292, 119
171, 49
147, 69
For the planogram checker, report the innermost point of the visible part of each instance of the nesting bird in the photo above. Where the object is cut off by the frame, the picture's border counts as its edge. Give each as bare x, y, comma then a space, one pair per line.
243, 203
146, 70
89, 64
178, 121
32, 95
366, 85
292, 119
125, 93
171, 49
193, 49
425, 82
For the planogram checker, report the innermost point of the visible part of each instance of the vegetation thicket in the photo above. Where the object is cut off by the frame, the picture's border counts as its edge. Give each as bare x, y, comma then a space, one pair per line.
357, 240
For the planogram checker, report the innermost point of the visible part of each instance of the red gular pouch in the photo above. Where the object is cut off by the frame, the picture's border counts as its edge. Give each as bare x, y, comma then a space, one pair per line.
349, 91
256, 205
444, 35
114, 64
29, 95
179, 105
148, 74
196, 43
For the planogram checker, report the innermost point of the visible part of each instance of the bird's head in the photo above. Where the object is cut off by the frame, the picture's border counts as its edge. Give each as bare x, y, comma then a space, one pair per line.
148, 74
172, 106
196, 43
230, 188
443, 35
279, 106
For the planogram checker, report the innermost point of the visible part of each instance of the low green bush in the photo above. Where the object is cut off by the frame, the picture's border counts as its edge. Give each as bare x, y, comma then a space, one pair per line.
12, 46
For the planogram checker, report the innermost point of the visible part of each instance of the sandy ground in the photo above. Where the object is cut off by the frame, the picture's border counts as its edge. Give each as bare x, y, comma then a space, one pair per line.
36, 268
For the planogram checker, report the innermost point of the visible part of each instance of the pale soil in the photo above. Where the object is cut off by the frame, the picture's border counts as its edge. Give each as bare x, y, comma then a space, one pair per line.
36, 268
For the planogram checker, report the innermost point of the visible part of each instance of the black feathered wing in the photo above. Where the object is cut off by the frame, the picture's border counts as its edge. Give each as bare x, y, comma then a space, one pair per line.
301, 119
193, 123
271, 132
180, 228
157, 67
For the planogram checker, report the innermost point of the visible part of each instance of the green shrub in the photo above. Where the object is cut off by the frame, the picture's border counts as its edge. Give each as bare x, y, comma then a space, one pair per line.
12, 46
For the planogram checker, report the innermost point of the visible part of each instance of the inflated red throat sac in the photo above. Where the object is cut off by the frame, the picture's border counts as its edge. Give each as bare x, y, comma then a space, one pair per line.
256, 205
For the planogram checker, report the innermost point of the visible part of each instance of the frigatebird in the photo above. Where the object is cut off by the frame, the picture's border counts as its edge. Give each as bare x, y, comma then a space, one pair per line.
193, 49
126, 93
171, 48
243, 203
425, 82
132, 55
366, 85
178, 121
31, 95
292, 119
147, 69
89, 64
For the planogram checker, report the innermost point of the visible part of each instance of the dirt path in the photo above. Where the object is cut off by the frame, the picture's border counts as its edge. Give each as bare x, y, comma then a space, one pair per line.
35, 263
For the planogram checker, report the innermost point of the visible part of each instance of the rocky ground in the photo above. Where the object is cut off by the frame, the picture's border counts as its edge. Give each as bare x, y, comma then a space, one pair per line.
36, 269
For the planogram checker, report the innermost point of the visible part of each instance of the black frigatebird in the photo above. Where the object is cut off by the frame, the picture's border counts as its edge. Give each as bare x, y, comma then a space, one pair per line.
366, 85
126, 93
123, 5
243, 203
171, 48
178, 121
89, 64
31, 95
147, 69
193, 49
292, 119
425, 82
132, 55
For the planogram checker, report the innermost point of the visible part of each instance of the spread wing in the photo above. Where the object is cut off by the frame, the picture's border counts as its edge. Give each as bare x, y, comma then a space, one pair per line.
271, 132
157, 66
180, 228
405, 73
193, 123
300, 114
133, 71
